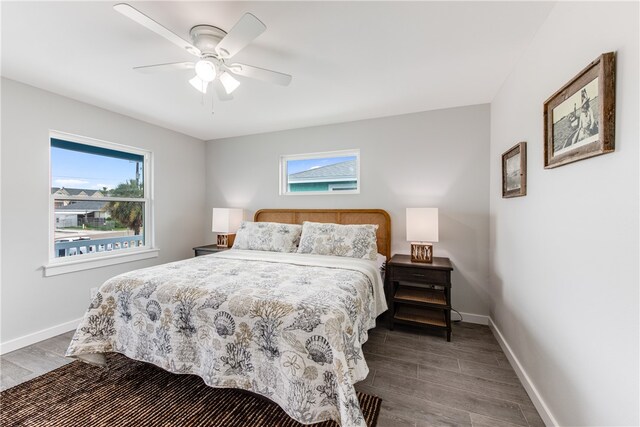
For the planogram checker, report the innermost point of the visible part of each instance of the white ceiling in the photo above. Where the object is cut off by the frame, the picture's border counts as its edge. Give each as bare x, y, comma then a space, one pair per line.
350, 60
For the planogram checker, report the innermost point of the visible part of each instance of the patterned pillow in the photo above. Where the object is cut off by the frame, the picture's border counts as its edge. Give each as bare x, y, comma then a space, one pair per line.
267, 236
355, 241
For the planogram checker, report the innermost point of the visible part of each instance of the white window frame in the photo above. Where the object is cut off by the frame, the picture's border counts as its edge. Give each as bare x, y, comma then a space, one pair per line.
284, 183
62, 265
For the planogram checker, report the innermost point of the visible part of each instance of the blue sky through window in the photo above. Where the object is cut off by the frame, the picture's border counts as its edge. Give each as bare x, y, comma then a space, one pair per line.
73, 169
295, 166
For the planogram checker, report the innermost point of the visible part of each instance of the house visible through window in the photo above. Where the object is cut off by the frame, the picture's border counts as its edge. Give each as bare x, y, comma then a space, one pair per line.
321, 173
99, 197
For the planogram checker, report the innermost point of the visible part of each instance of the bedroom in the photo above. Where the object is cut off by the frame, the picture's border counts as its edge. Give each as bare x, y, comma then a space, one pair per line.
431, 94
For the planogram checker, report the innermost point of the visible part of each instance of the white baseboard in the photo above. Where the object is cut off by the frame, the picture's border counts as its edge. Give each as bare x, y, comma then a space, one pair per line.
26, 340
471, 318
537, 400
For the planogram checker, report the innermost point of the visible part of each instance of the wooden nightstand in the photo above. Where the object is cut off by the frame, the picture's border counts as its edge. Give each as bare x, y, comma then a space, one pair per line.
419, 294
208, 249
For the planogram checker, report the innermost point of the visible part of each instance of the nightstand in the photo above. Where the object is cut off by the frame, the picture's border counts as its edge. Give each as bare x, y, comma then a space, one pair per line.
208, 249
419, 294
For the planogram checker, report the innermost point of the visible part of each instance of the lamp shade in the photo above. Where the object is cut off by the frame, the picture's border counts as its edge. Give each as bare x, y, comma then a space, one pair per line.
230, 84
199, 84
422, 225
226, 220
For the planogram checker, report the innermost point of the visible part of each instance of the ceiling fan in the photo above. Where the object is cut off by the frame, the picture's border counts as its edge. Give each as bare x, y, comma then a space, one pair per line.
214, 47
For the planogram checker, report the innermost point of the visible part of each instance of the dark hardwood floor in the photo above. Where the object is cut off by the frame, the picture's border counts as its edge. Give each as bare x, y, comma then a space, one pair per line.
422, 379
426, 381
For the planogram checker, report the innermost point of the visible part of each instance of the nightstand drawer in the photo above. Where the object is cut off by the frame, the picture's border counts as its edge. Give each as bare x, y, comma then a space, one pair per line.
420, 275
201, 253
208, 249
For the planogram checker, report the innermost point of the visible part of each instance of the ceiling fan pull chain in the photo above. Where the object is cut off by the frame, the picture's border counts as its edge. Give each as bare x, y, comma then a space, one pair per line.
212, 112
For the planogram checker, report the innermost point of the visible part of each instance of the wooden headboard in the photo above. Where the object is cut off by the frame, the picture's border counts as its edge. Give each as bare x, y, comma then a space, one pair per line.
336, 216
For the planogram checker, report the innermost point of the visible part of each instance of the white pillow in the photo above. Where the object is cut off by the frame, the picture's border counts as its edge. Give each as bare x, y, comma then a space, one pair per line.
267, 236
353, 240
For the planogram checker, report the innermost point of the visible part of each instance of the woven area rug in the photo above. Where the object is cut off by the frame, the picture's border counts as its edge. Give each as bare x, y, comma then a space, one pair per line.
133, 393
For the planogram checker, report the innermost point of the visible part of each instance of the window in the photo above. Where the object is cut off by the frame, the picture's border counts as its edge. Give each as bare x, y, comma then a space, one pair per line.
100, 200
334, 172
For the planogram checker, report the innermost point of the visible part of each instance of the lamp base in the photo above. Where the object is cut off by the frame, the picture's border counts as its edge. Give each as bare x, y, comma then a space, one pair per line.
421, 252
226, 240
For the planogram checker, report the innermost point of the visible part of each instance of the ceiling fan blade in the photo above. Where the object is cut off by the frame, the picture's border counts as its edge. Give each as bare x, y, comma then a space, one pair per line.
221, 92
173, 66
142, 19
246, 29
260, 74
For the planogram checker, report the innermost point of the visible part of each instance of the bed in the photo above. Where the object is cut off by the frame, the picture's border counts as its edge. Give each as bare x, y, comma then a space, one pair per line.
286, 326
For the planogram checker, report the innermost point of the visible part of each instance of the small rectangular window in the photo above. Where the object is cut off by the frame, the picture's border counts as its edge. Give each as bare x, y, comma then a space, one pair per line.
334, 172
100, 197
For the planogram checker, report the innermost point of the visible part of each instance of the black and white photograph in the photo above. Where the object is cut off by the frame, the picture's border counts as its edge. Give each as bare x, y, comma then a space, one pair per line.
579, 119
575, 121
514, 171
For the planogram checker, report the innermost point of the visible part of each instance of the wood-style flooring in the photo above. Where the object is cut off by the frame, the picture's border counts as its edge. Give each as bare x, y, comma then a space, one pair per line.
422, 379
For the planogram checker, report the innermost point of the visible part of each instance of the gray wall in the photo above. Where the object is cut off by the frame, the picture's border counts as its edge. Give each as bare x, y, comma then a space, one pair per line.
431, 159
564, 261
31, 302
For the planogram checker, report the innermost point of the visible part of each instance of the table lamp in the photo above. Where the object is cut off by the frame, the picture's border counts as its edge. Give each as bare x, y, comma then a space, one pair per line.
225, 222
422, 231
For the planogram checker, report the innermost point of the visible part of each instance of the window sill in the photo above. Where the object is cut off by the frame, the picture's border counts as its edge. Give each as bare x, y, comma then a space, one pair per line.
55, 268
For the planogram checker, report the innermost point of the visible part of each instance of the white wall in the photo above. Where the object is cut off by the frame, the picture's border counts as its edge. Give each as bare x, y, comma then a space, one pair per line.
431, 159
31, 302
565, 257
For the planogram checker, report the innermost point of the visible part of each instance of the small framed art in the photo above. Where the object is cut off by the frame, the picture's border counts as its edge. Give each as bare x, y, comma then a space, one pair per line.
514, 171
579, 119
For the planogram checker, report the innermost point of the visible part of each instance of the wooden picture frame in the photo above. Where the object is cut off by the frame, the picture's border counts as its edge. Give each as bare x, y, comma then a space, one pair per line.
579, 119
514, 171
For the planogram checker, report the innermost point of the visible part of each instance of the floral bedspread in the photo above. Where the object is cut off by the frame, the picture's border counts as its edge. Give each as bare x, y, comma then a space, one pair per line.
286, 326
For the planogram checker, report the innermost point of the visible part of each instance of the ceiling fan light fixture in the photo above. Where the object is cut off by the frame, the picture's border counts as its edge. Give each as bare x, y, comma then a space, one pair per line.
230, 84
199, 84
206, 70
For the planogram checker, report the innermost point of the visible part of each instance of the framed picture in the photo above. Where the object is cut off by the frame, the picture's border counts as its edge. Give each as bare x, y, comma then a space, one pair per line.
514, 171
579, 119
